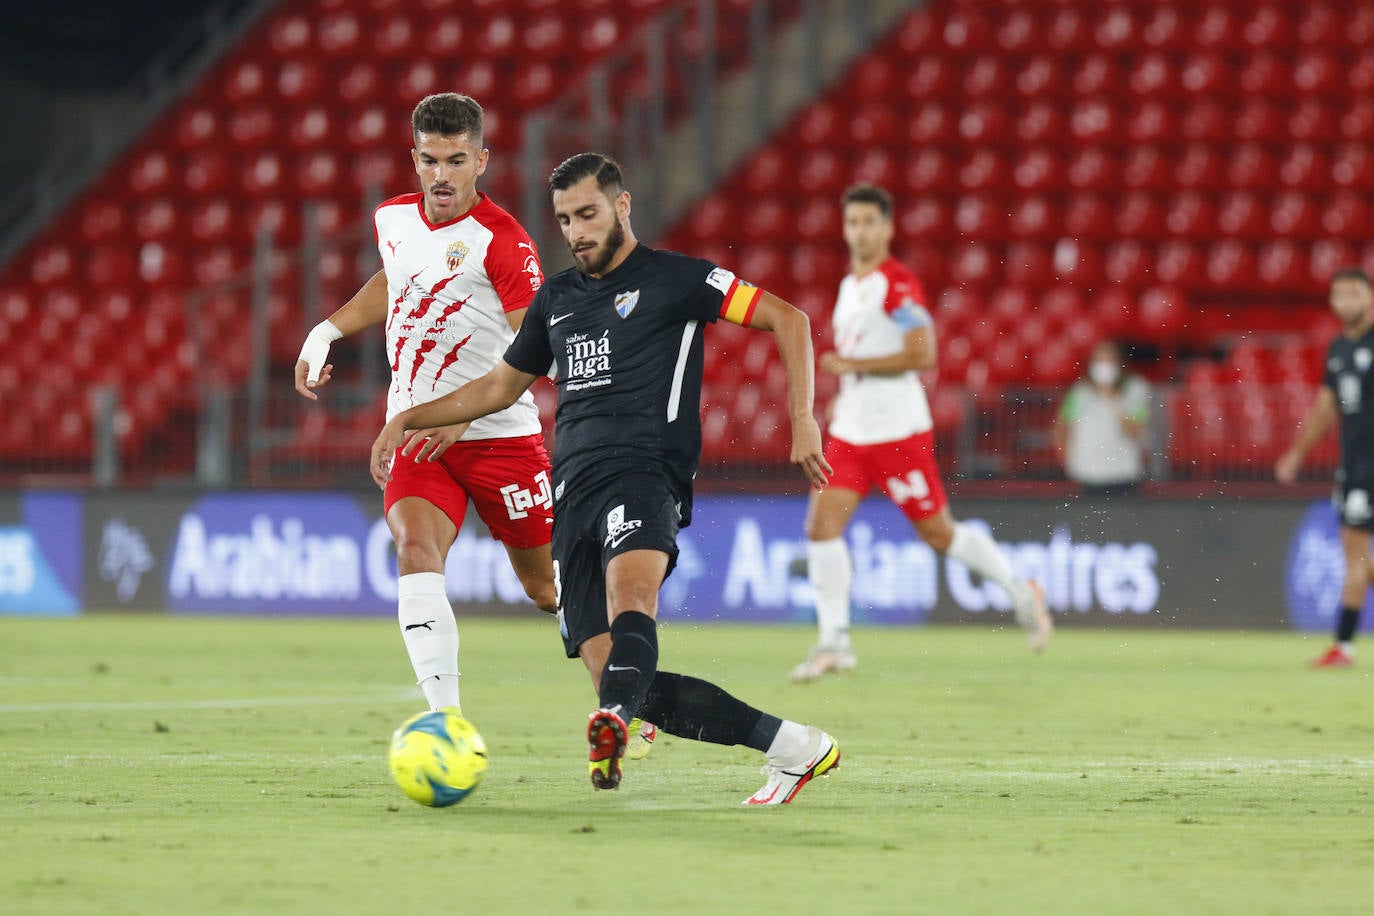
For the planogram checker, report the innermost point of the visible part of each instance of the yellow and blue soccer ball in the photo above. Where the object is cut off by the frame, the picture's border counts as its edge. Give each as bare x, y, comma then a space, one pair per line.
438, 758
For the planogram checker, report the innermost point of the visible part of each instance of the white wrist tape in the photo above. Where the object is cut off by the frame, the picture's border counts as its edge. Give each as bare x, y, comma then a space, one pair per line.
316, 348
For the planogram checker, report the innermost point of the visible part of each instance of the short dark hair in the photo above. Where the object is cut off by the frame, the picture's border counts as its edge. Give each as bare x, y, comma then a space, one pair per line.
868, 194
1351, 272
609, 177
447, 114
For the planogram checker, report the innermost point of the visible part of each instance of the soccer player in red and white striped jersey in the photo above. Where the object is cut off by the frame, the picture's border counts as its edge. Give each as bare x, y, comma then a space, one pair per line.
881, 436
458, 273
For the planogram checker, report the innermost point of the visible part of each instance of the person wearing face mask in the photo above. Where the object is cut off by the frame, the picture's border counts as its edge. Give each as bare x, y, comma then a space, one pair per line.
1101, 425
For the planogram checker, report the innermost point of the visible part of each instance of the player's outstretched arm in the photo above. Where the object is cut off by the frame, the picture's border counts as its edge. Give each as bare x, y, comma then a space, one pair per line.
409, 429
1319, 418
366, 308
792, 334
918, 354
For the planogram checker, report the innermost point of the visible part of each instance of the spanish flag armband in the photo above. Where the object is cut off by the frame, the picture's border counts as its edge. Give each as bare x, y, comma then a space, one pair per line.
738, 305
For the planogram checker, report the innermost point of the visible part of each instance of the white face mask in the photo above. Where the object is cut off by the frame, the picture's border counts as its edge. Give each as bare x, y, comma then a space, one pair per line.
1104, 373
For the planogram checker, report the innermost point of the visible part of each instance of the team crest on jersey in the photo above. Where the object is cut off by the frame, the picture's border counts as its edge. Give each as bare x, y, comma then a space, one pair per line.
455, 254
1363, 358
625, 303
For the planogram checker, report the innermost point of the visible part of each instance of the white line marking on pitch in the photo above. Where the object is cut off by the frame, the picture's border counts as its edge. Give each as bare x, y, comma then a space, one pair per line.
394, 696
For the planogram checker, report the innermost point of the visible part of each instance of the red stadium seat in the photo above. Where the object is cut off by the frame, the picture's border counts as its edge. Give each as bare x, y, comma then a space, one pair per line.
1140, 216
1346, 215
1181, 264
1038, 169
1094, 169
967, 31
1199, 168
1312, 120
1166, 28
1294, 215
768, 220
1265, 75
1328, 256
933, 124
197, 126
931, 78
930, 217
818, 219
101, 220
1283, 267
818, 124
262, 174
252, 128
1115, 30
1041, 77
52, 265
1087, 215
1243, 216
1204, 74
1353, 166
1305, 168
1252, 167
1259, 120
1081, 264
1129, 263
1147, 168
206, 173
879, 75
984, 123
157, 219
874, 124
1231, 265
1035, 218
1358, 120
340, 35
300, 82
211, 219
971, 265
930, 171
289, 35
1068, 30
1317, 73
1042, 123
150, 173
359, 84
876, 166
1018, 33
1218, 27
1112, 312
246, 82
984, 171
1207, 121
1153, 122
985, 77
1154, 77
1029, 264
1093, 121
1266, 27
1191, 216
1162, 313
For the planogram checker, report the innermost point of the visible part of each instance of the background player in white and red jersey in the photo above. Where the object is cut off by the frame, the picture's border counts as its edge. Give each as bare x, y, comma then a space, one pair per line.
458, 273
881, 436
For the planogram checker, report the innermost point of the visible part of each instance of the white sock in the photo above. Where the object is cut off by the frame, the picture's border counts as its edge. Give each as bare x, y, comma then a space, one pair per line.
1347, 647
980, 553
431, 636
791, 745
830, 572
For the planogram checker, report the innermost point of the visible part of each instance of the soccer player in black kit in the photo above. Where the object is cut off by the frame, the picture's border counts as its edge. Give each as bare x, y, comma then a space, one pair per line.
1347, 391
624, 331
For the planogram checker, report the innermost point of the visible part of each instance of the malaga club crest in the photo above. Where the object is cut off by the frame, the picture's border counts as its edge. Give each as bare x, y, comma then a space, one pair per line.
625, 303
455, 254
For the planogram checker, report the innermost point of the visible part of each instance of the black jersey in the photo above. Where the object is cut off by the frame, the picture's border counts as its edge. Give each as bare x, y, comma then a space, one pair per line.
628, 351
1350, 375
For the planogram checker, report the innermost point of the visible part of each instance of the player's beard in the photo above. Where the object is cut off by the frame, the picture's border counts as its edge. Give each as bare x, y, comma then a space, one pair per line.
600, 257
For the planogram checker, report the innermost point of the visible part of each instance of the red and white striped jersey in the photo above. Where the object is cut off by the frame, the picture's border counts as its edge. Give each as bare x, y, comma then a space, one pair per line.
450, 286
872, 316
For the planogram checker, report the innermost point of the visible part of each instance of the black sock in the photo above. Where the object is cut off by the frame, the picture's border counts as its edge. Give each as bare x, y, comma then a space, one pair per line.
631, 664
1348, 623
692, 708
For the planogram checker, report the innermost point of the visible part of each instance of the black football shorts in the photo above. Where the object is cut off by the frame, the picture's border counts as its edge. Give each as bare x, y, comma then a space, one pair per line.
636, 511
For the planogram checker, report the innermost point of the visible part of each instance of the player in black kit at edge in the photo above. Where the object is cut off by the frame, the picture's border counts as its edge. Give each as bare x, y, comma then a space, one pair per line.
624, 331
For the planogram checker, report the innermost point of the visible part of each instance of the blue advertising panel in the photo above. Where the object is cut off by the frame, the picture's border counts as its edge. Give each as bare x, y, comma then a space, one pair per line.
40, 554
1315, 570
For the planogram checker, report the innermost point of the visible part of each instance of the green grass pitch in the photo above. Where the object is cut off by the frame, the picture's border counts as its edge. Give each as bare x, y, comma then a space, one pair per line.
177, 765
